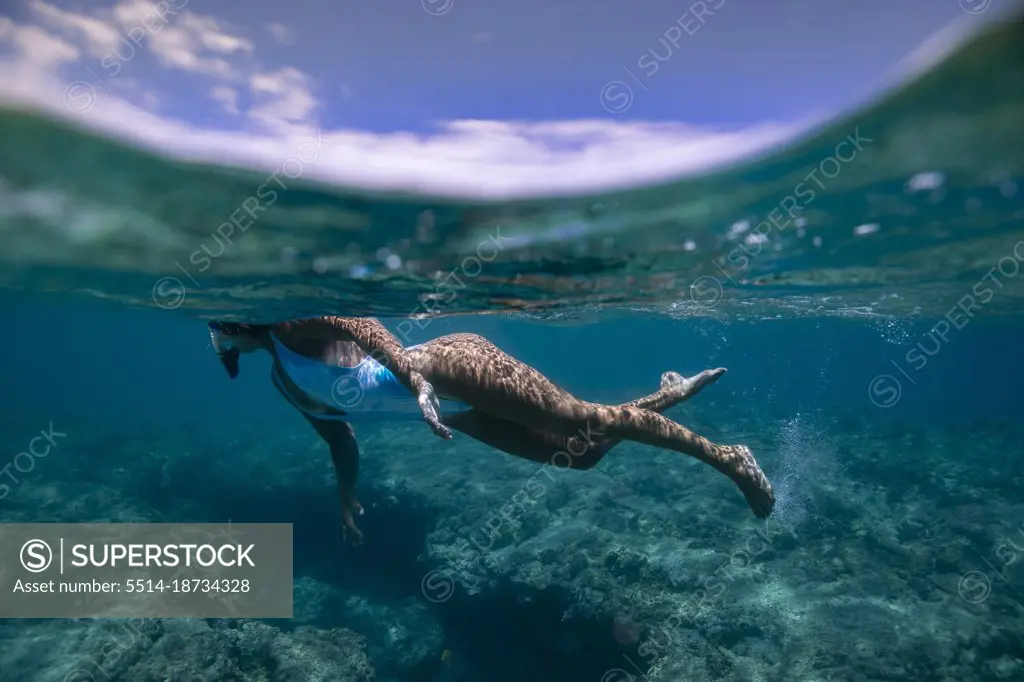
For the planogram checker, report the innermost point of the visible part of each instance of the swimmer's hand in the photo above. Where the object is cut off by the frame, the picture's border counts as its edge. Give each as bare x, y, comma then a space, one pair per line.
430, 406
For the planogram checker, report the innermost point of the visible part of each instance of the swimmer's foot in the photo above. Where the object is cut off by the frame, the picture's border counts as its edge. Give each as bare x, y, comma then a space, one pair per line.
430, 406
691, 385
739, 465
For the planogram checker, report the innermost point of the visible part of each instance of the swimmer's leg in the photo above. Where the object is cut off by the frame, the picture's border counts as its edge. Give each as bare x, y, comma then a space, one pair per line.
543, 447
675, 389
468, 368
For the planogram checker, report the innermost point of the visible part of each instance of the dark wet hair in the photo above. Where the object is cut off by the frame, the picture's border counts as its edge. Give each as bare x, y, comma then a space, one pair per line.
229, 357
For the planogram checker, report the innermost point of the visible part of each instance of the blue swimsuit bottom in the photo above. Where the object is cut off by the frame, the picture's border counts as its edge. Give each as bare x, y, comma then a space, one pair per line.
368, 392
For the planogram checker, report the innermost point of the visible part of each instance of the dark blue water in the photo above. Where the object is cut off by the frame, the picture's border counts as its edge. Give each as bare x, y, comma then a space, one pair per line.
908, 495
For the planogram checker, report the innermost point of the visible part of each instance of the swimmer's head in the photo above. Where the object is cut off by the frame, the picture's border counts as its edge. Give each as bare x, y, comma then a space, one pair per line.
231, 339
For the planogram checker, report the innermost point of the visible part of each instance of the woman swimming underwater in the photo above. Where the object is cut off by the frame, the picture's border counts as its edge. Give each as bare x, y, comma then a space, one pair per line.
337, 370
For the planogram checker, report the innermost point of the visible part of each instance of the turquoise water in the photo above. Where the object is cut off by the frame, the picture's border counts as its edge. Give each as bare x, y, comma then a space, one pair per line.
873, 342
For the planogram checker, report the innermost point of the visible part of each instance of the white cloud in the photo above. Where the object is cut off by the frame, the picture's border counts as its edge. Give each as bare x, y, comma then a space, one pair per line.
100, 36
178, 38
281, 33
199, 44
464, 158
226, 96
36, 46
131, 13
175, 48
284, 97
487, 159
213, 37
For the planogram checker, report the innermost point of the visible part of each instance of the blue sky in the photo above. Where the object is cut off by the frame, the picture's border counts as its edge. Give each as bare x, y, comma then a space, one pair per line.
384, 80
752, 60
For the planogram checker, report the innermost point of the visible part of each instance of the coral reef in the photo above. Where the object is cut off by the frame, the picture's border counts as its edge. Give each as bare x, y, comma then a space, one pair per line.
889, 557
182, 651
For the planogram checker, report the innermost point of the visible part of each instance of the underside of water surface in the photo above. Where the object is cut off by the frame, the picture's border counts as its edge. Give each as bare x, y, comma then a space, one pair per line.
891, 209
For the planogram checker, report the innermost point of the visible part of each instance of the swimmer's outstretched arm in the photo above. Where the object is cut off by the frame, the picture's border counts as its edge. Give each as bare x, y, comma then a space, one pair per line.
341, 439
376, 341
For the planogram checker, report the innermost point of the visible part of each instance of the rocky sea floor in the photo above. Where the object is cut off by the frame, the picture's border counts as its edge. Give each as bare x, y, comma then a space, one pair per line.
895, 553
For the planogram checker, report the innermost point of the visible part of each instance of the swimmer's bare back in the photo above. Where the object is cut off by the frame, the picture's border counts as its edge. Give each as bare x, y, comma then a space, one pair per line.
316, 337
472, 370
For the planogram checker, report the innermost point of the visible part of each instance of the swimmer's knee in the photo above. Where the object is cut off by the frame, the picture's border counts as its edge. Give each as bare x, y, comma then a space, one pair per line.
583, 463
606, 419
